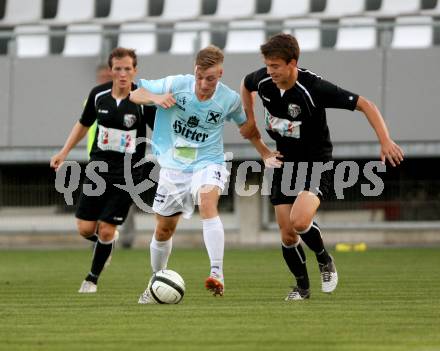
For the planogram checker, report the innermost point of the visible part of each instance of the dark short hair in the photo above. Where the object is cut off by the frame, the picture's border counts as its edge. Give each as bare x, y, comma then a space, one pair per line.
120, 53
281, 45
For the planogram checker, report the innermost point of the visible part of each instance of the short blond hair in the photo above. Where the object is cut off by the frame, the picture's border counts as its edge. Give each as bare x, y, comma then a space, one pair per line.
209, 57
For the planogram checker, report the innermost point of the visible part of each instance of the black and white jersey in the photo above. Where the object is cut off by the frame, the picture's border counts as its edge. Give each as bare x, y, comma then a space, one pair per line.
296, 118
119, 124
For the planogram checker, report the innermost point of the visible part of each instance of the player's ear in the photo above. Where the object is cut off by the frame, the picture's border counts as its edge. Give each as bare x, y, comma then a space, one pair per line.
221, 73
292, 63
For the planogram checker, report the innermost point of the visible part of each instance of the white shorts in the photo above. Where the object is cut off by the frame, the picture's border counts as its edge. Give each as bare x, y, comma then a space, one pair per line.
177, 191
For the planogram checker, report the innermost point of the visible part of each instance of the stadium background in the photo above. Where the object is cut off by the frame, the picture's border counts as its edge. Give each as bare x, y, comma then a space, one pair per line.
49, 50
387, 298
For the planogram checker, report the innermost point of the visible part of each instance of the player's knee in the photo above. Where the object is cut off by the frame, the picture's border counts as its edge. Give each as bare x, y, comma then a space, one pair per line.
208, 209
299, 224
106, 233
289, 238
85, 230
163, 234
107, 236
208, 200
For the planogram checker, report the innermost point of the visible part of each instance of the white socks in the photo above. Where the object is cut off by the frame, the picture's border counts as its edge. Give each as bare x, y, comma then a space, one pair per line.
214, 237
159, 253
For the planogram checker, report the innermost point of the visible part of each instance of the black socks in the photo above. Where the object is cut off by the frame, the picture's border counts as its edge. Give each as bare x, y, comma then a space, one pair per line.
100, 255
93, 238
296, 261
312, 238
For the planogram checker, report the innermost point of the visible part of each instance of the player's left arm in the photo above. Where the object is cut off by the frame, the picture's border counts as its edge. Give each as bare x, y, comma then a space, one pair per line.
331, 96
389, 149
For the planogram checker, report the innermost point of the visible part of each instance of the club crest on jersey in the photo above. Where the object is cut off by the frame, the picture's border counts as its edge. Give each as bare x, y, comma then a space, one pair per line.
213, 117
129, 120
192, 122
293, 110
181, 101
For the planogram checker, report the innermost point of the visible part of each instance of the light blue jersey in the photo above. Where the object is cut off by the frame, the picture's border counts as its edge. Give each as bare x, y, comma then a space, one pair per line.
189, 135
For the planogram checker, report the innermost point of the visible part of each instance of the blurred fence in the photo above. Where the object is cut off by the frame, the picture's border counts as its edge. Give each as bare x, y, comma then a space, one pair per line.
408, 200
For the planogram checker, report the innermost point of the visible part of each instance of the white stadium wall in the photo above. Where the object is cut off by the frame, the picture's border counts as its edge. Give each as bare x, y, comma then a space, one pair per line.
42, 97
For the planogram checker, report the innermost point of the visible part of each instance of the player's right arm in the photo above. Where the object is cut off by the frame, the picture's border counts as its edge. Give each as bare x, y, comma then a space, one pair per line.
250, 129
142, 96
76, 135
270, 158
157, 92
79, 130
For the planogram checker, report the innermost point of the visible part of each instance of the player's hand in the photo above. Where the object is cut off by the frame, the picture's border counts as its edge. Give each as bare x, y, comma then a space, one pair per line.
392, 152
141, 96
272, 160
165, 101
249, 130
57, 160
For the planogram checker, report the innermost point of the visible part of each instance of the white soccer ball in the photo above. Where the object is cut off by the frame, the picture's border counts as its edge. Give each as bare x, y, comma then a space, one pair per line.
166, 287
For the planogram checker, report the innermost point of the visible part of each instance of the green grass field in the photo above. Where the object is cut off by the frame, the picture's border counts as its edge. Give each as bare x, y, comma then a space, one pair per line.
386, 300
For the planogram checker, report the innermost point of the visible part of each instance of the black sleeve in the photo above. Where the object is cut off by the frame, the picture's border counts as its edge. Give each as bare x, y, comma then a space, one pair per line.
88, 116
149, 115
252, 79
329, 95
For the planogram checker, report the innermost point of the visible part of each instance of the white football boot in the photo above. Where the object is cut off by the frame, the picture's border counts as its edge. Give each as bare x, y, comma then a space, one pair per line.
146, 297
329, 276
298, 294
88, 287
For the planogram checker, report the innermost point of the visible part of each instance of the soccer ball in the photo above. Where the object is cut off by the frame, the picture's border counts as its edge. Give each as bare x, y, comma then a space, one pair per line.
166, 287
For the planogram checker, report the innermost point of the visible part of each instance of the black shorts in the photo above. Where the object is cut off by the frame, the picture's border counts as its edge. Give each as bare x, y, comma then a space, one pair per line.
298, 177
111, 207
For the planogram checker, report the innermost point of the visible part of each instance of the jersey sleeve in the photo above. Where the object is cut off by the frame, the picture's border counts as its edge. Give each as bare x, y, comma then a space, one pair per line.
236, 112
329, 95
251, 80
159, 86
88, 116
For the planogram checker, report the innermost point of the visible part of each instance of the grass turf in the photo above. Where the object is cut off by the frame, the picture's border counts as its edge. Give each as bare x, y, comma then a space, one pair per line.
386, 300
